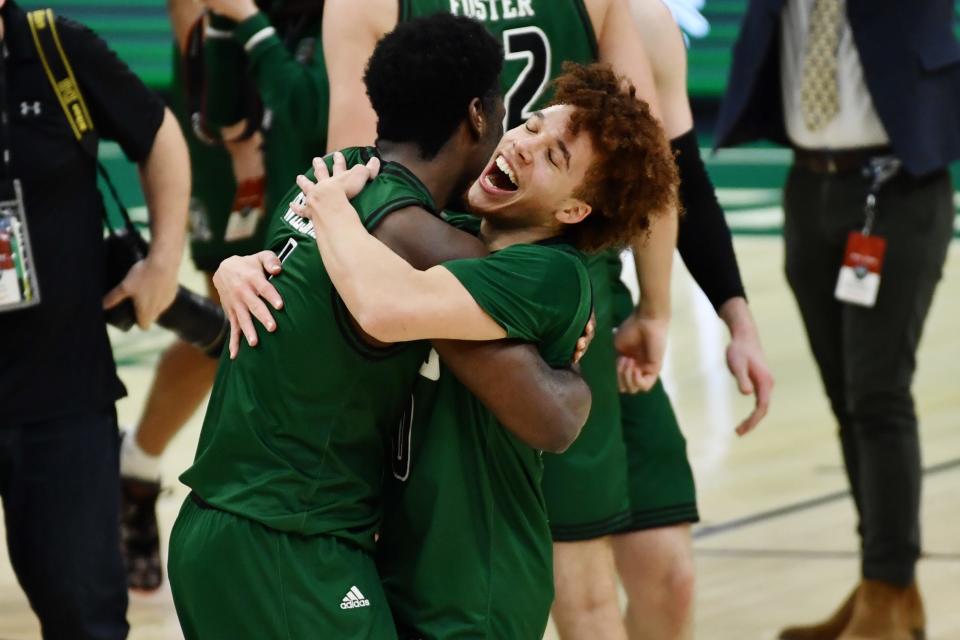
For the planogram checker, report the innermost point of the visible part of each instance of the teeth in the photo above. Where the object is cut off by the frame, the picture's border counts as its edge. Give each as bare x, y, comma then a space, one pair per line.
503, 166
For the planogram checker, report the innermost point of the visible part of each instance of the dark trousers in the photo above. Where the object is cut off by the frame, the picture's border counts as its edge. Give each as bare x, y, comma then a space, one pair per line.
867, 356
60, 484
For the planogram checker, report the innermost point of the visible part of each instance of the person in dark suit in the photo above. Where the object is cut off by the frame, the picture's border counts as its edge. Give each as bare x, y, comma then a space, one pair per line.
867, 93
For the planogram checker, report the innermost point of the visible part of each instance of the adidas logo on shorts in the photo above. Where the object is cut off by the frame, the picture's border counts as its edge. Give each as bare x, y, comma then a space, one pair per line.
354, 599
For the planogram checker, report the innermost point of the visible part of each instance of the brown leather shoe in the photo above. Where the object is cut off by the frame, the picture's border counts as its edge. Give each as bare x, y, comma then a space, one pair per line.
828, 629
915, 613
880, 612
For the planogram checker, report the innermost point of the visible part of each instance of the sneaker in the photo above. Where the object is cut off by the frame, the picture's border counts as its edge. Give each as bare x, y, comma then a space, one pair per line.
139, 535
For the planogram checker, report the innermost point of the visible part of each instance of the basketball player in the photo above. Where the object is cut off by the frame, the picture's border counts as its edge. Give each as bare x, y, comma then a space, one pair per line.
286, 478
464, 548
632, 482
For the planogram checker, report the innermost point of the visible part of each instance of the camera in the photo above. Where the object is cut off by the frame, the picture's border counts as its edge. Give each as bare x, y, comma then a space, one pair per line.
194, 318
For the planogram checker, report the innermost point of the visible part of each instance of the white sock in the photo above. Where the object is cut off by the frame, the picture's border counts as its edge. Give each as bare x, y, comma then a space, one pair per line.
137, 463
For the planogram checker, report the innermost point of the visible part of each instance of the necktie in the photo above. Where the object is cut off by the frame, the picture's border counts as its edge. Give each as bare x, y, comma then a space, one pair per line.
819, 99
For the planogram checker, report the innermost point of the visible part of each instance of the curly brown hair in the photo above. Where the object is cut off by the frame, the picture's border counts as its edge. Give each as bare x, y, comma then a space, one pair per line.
633, 178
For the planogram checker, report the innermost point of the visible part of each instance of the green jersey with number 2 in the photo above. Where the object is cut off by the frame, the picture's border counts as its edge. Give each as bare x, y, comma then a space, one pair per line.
295, 429
538, 36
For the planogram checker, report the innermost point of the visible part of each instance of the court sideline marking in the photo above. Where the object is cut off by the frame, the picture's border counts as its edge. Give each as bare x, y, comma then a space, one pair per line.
708, 531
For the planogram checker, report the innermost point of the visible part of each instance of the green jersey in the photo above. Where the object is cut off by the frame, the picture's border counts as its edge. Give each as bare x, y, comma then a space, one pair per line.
465, 548
538, 37
295, 429
458, 574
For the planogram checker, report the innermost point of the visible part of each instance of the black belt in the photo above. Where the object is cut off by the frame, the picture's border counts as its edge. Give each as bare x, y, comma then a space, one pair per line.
832, 161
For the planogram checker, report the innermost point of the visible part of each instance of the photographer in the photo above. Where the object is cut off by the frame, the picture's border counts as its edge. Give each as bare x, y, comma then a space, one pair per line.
58, 438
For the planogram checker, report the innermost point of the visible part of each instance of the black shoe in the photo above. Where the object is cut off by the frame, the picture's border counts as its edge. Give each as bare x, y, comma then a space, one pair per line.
139, 535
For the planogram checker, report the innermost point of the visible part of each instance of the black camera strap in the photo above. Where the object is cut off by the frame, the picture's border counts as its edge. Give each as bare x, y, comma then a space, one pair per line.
43, 28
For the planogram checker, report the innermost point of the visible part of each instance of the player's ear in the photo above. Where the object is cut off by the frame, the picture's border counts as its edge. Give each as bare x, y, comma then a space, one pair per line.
477, 118
572, 211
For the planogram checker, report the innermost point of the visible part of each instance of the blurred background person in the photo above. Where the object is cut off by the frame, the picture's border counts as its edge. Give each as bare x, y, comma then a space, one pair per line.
868, 96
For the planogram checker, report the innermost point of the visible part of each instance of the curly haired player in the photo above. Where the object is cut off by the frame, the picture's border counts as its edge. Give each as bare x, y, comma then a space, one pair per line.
465, 548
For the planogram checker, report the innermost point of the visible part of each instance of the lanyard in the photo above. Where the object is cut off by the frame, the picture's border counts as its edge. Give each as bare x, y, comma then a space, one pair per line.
880, 170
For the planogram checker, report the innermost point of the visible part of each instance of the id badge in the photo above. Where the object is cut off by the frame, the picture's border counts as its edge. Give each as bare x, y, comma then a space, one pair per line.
247, 210
18, 273
859, 279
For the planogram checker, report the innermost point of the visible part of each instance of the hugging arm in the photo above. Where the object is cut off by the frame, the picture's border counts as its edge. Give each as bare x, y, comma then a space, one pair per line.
390, 299
543, 407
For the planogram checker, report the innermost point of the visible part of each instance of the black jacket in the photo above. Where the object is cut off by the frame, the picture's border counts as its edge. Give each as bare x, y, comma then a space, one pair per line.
911, 65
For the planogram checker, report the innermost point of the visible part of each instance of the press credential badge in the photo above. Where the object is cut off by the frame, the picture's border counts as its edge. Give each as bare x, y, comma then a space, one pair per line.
18, 279
859, 279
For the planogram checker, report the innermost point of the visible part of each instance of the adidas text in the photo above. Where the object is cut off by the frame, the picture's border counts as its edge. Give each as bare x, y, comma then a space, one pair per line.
354, 599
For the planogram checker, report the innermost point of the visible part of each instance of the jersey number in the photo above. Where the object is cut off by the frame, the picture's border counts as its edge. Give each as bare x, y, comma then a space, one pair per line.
401, 443
529, 44
430, 369
287, 250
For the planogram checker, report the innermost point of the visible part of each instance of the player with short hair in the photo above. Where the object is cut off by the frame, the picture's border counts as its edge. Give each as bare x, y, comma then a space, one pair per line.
275, 540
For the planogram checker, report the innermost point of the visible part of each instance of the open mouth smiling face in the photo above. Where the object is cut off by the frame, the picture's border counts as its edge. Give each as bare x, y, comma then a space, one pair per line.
534, 171
499, 176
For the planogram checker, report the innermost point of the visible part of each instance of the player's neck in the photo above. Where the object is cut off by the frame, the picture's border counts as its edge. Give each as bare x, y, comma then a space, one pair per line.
438, 174
497, 238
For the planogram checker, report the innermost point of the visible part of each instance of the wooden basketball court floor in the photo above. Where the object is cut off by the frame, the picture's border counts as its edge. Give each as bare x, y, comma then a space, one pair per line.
777, 543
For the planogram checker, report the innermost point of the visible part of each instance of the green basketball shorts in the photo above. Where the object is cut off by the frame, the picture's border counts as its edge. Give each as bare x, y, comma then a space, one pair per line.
628, 469
660, 481
233, 578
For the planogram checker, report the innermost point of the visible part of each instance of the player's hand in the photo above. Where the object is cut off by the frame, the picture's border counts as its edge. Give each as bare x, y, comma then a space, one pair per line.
320, 196
583, 342
641, 343
152, 284
746, 361
243, 285
352, 180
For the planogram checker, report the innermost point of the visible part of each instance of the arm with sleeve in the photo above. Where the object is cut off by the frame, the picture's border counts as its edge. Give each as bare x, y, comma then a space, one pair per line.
293, 91
704, 239
224, 69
